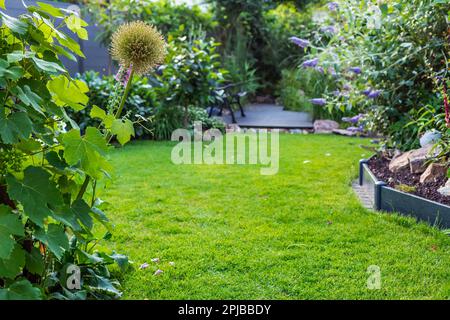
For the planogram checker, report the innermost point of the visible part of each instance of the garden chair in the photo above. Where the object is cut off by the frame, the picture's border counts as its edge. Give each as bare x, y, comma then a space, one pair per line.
227, 97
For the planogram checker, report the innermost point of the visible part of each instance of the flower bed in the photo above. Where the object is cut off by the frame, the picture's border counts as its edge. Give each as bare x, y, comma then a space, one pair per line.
389, 199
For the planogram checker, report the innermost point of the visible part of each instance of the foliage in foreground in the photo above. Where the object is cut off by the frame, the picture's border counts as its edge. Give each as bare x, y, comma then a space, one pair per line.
48, 208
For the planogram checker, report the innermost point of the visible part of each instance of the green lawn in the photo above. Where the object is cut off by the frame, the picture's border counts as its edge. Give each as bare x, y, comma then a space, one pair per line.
234, 234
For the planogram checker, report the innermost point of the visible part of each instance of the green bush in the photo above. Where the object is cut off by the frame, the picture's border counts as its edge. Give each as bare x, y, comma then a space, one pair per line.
299, 86
385, 55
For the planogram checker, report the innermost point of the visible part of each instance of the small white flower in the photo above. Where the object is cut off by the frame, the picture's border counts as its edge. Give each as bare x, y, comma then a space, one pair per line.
158, 272
156, 260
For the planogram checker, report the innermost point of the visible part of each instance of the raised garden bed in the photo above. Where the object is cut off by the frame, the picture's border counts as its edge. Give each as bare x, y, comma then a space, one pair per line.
388, 199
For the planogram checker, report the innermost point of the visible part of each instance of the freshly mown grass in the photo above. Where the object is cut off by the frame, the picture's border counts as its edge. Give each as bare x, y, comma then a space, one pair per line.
234, 234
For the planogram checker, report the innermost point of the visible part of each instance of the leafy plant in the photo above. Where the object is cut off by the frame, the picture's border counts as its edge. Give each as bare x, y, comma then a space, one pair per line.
47, 213
192, 75
384, 56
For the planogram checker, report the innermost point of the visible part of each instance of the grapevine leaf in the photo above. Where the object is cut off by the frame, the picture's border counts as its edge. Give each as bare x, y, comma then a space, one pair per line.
70, 93
35, 193
15, 25
76, 25
14, 127
123, 129
86, 151
54, 238
98, 113
11, 267
20, 290
28, 97
34, 261
49, 9
47, 66
9, 225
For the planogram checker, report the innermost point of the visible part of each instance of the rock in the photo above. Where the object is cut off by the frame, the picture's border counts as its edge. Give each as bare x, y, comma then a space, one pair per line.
434, 172
347, 133
325, 126
430, 137
417, 159
414, 159
233, 128
445, 190
400, 162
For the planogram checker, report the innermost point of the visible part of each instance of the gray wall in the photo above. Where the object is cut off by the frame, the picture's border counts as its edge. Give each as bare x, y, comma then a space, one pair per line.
96, 55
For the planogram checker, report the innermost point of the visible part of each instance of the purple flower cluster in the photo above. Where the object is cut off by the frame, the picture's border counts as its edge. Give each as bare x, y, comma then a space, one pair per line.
355, 70
356, 129
318, 102
333, 6
371, 94
302, 43
354, 120
328, 29
311, 63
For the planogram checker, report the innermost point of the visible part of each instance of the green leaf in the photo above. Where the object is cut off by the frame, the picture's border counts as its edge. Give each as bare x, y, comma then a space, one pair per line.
54, 238
34, 261
47, 66
28, 97
76, 216
14, 127
71, 93
76, 25
20, 290
2, 4
9, 225
123, 129
86, 151
36, 192
11, 267
15, 25
51, 10
97, 112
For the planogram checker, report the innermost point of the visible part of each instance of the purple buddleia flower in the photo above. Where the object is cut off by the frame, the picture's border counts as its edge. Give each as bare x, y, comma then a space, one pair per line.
347, 87
356, 129
336, 93
311, 63
374, 94
333, 6
366, 92
320, 69
353, 120
318, 101
356, 70
302, 43
328, 29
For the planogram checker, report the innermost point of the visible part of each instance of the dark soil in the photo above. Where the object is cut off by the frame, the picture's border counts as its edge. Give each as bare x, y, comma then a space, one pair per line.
380, 168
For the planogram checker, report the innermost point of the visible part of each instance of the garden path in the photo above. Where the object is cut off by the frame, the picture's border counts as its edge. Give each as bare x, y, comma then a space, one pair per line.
271, 116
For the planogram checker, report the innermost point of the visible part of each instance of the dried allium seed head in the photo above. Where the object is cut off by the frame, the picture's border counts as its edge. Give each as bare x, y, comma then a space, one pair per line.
140, 45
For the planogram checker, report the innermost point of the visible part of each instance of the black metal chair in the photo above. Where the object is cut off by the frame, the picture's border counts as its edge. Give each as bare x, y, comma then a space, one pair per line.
227, 97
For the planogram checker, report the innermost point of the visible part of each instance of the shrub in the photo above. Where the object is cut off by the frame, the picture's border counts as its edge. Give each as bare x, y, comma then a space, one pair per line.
299, 86
384, 56
47, 213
